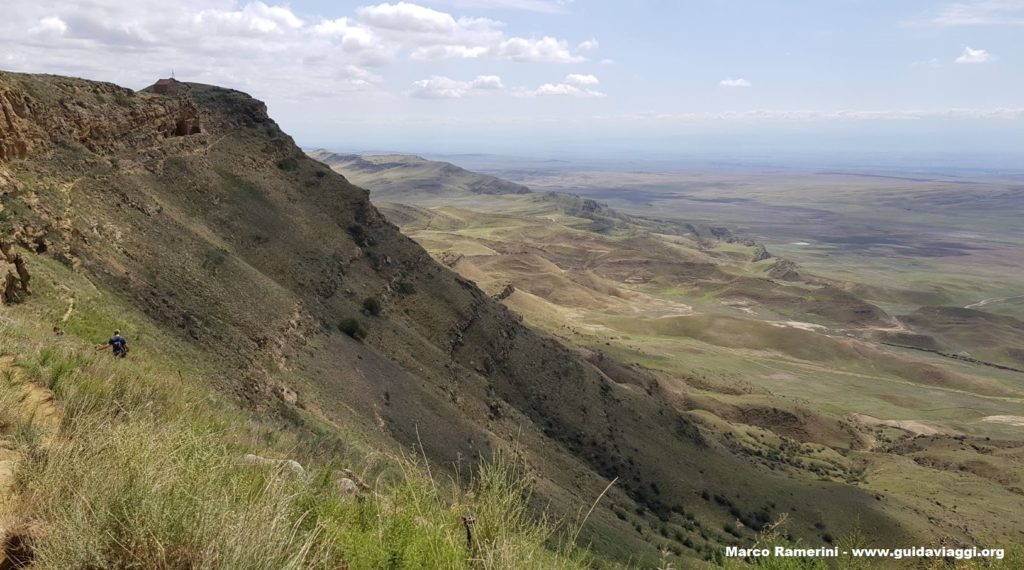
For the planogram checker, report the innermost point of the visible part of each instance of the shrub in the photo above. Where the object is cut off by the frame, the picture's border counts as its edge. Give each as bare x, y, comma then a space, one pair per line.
372, 306
405, 288
353, 328
288, 164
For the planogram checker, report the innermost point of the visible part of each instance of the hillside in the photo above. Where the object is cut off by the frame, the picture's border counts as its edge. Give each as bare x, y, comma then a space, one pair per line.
270, 285
807, 374
403, 174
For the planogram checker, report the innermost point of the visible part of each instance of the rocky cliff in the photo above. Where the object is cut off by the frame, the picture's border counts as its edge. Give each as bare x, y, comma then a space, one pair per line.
100, 116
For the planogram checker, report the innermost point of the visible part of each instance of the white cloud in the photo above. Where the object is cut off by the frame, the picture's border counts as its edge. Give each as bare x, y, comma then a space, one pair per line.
971, 55
254, 18
730, 82
984, 13
546, 49
351, 35
574, 85
360, 76
487, 82
440, 87
405, 17
260, 46
581, 80
355, 39
434, 52
542, 6
588, 45
49, 25
429, 34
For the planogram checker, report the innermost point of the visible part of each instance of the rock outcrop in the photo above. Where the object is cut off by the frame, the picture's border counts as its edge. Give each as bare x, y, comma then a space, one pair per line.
18, 133
784, 270
760, 253
100, 116
14, 274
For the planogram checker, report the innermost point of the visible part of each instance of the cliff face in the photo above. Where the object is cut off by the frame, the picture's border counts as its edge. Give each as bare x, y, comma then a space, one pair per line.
100, 116
18, 134
195, 207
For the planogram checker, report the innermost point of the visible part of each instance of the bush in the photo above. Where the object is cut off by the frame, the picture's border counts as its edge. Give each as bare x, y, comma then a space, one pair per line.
288, 164
358, 235
405, 288
353, 328
372, 306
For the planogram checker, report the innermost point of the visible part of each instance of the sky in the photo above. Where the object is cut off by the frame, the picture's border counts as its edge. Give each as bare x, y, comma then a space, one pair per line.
571, 77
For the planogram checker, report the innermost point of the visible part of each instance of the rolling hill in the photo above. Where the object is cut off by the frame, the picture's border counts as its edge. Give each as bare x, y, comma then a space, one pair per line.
405, 173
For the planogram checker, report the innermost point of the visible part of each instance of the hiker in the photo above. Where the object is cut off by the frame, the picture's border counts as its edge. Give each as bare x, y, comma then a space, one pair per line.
119, 345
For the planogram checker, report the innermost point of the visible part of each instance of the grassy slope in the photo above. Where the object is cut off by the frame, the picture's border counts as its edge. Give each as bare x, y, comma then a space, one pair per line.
140, 468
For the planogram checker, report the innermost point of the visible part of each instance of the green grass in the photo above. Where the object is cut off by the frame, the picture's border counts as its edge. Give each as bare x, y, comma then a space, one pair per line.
141, 470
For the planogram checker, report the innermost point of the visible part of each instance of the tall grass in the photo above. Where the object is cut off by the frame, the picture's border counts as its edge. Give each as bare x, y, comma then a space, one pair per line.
143, 473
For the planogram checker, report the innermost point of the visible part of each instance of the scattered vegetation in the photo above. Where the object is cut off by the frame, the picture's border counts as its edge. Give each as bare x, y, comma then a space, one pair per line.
372, 306
288, 164
353, 328
405, 288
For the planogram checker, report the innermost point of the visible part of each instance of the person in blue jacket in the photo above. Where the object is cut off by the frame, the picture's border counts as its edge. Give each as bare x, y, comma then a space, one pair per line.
118, 344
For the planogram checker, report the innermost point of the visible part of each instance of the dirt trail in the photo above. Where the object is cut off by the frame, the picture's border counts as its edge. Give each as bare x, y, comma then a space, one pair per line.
35, 405
71, 309
984, 302
1016, 421
913, 427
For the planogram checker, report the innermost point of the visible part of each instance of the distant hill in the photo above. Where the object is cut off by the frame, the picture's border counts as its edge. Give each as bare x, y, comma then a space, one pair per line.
402, 175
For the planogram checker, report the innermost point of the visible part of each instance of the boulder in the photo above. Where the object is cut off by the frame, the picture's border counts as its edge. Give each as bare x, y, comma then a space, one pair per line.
348, 487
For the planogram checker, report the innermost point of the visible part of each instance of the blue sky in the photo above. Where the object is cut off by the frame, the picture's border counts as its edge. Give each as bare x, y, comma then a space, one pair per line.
570, 76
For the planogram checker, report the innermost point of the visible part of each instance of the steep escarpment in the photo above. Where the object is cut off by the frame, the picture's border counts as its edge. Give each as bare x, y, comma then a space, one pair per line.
196, 208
